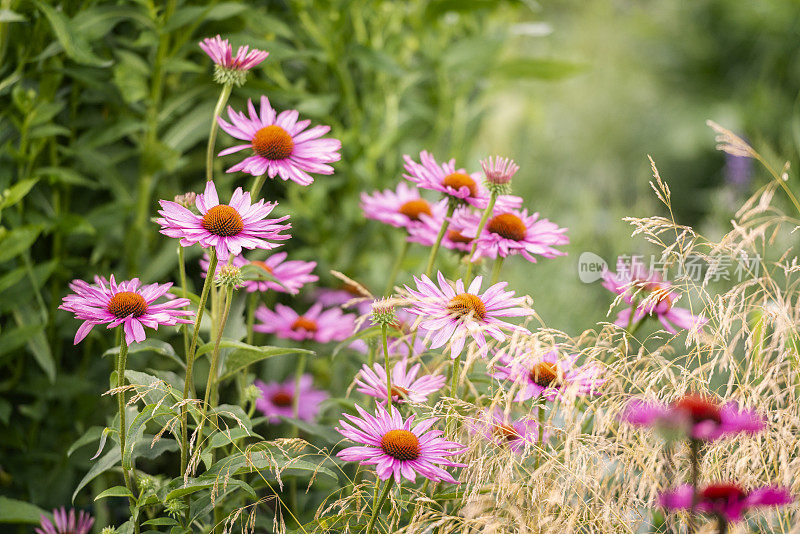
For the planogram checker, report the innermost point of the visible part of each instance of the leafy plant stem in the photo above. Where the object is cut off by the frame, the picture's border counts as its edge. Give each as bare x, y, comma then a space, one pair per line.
122, 358
381, 500
498, 264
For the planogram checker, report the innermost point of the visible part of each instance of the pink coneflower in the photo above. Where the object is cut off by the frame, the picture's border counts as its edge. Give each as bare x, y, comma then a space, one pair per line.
126, 304
401, 208
652, 297
510, 232
497, 427
500, 170
316, 324
396, 448
550, 376
349, 296
277, 399
281, 145
221, 52
66, 523
452, 314
427, 230
723, 499
228, 228
696, 416
405, 384
291, 275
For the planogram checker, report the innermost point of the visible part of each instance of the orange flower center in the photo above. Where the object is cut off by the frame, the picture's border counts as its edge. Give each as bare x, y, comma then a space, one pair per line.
223, 221
456, 237
506, 432
457, 180
722, 492
399, 392
262, 265
545, 374
282, 399
414, 208
401, 445
507, 225
301, 323
699, 408
127, 304
273, 143
467, 304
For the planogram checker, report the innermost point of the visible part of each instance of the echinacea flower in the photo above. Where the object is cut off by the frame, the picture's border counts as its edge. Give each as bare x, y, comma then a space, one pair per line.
510, 232
451, 314
315, 324
280, 143
66, 523
397, 447
651, 296
499, 171
497, 427
290, 275
228, 228
405, 384
401, 208
724, 499
427, 230
551, 375
277, 399
126, 304
695, 416
350, 295
231, 69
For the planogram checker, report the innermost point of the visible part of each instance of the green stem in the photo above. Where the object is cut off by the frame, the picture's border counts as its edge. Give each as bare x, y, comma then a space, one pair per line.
454, 378
208, 397
299, 370
184, 293
252, 303
212, 136
396, 268
384, 330
484, 219
381, 500
694, 455
442, 230
257, 183
190, 356
122, 358
498, 264
541, 435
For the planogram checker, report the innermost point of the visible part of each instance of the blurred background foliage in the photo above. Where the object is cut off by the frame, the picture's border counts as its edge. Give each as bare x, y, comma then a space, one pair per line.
106, 108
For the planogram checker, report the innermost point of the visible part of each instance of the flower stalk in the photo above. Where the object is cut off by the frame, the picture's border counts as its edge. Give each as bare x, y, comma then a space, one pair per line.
442, 230
122, 358
384, 335
224, 95
382, 499
484, 218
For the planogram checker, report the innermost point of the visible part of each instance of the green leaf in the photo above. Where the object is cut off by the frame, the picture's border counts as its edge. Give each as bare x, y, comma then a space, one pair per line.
270, 458
17, 337
17, 241
6, 15
16, 192
37, 344
101, 466
130, 76
223, 438
90, 436
65, 176
150, 345
249, 354
14, 511
137, 427
5, 411
160, 522
197, 484
75, 46
116, 491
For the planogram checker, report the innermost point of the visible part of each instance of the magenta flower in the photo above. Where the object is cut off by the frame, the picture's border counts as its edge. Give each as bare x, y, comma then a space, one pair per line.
405, 384
451, 314
549, 376
228, 228
395, 447
401, 208
277, 399
696, 416
66, 523
726, 500
281, 144
497, 427
126, 304
651, 297
221, 52
316, 324
348, 296
500, 170
510, 232
291, 275
427, 229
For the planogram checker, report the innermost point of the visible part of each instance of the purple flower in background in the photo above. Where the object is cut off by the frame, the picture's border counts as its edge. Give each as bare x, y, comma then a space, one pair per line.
277, 399
66, 523
316, 324
694, 415
290, 275
401, 208
495, 426
405, 384
723, 499
398, 448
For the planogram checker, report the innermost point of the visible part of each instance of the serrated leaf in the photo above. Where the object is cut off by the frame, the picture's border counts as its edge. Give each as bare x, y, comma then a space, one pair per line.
116, 491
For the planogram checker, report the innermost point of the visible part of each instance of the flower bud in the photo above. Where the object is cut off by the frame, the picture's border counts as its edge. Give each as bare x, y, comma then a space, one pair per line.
383, 312
229, 276
186, 200
499, 173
